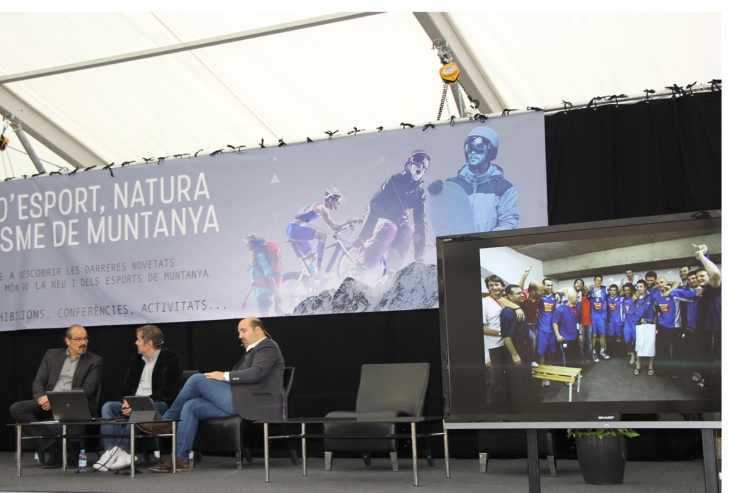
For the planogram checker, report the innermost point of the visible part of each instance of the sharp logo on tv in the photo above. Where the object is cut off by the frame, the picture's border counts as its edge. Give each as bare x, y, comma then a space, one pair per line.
602, 320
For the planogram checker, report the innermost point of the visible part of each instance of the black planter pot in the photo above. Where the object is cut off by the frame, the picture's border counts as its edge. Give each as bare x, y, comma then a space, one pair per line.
602, 460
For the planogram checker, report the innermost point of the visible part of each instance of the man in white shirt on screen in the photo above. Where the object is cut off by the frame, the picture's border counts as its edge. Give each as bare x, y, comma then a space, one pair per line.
495, 351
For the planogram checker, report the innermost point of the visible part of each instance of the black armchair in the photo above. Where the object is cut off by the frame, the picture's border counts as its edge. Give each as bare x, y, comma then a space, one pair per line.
222, 435
386, 391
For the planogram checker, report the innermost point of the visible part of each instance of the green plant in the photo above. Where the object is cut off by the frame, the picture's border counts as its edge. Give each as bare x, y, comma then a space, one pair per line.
602, 432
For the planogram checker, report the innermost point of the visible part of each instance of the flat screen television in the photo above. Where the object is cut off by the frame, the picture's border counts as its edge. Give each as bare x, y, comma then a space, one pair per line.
609, 389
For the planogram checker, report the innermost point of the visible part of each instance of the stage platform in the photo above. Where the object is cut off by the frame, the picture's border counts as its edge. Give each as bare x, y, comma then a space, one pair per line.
349, 475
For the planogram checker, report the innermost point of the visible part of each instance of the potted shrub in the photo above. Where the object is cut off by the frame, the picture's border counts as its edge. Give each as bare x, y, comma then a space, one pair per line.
602, 453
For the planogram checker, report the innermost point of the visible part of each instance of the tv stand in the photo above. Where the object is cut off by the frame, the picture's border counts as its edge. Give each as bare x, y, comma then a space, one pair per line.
711, 476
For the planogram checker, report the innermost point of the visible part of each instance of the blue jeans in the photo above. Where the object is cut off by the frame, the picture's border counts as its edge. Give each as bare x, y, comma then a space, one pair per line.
113, 410
200, 398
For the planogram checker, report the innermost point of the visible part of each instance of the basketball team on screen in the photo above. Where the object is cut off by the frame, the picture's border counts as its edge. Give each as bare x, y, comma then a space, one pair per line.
670, 326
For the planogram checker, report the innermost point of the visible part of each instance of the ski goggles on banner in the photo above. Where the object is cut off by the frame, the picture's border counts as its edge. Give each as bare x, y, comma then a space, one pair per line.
477, 144
421, 160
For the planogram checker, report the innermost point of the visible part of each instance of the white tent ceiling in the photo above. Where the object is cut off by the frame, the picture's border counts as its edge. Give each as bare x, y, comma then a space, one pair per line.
378, 70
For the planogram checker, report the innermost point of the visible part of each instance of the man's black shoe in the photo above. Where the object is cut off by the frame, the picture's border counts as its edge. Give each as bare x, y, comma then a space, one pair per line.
53, 462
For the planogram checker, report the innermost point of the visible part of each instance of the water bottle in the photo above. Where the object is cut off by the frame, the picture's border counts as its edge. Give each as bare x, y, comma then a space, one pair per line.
36, 457
82, 461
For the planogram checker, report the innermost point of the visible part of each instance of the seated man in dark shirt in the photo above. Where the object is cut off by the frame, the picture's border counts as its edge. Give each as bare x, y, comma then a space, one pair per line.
155, 372
72, 367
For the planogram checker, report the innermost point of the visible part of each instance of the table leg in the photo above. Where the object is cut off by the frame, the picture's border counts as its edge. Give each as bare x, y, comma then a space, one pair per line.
303, 447
174, 448
18, 449
447, 455
267, 453
533, 460
711, 482
414, 453
133, 450
64, 448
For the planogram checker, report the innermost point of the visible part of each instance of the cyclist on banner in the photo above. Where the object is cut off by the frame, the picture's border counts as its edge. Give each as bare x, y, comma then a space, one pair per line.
301, 234
266, 272
387, 230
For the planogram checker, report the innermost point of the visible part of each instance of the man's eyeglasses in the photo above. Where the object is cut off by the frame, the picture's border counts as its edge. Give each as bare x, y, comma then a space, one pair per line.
477, 144
79, 339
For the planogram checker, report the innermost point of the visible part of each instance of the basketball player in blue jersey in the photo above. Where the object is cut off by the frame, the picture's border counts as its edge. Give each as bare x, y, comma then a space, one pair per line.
652, 285
301, 234
692, 332
597, 295
614, 313
691, 308
630, 321
546, 340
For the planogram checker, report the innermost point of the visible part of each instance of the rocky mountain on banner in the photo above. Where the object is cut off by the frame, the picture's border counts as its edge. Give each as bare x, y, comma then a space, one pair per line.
351, 296
315, 305
413, 287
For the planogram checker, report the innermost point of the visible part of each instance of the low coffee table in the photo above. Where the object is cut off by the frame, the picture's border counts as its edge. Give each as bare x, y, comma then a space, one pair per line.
64, 436
413, 420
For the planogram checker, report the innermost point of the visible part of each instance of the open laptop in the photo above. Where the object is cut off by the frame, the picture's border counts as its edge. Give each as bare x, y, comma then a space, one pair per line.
69, 406
142, 409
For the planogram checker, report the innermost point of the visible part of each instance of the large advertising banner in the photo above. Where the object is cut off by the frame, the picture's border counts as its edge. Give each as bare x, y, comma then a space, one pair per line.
336, 226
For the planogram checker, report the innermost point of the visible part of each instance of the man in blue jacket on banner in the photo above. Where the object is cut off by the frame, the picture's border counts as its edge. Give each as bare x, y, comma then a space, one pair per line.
492, 200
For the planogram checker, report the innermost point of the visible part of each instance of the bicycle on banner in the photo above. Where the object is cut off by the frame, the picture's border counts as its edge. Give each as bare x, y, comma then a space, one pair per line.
298, 285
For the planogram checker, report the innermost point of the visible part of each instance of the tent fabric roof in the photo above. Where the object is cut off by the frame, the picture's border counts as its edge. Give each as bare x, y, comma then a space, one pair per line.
373, 71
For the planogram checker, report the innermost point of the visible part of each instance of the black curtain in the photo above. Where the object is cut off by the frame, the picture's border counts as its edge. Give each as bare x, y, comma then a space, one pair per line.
631, 160
613, 162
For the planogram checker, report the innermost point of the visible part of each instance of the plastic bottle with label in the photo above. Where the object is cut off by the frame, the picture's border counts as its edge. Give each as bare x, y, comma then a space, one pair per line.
82, 461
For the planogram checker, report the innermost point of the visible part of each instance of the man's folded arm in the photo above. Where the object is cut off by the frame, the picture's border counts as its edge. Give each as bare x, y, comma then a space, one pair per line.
265, 358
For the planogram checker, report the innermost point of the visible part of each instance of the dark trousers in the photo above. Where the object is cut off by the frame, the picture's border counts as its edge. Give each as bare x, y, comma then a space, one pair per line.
710, 353
29, 412
497, 387
533, 340
710, 346
571, 351
669, 347
519, 377
693, 341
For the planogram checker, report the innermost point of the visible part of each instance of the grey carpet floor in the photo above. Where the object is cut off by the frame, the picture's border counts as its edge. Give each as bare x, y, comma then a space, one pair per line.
217, 474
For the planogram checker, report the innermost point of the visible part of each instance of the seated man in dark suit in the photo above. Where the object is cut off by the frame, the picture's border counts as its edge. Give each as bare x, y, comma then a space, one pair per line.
73, 367
253, 390
154, 372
